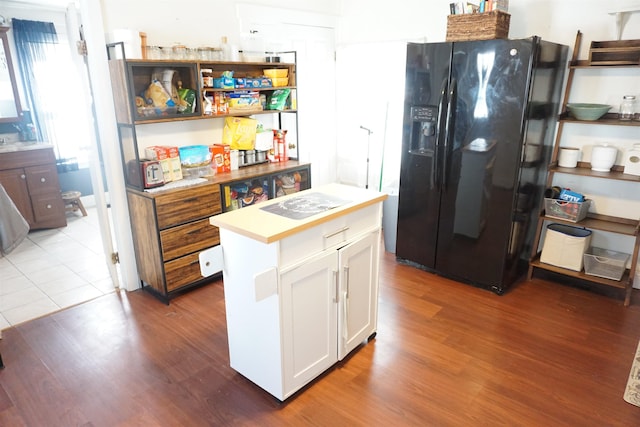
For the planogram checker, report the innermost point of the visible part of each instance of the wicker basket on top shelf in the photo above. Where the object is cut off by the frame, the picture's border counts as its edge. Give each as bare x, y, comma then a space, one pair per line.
478, 26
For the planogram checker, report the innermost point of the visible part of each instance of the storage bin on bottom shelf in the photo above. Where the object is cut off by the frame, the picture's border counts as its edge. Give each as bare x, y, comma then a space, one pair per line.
605, 263
564, 246
568, 211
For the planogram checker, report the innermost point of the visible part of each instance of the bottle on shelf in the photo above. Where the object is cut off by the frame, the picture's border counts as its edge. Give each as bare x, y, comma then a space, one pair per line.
280, 145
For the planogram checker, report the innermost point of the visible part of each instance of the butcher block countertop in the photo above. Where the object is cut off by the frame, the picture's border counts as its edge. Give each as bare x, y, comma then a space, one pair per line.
278, 218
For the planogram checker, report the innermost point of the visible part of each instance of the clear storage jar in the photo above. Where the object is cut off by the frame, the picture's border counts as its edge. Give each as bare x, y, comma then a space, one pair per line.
627, 108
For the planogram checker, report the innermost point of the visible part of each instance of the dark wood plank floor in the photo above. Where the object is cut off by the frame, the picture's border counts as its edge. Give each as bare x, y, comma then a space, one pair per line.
446, 354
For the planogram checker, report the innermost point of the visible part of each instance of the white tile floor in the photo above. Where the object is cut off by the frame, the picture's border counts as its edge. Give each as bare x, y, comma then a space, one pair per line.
53, 269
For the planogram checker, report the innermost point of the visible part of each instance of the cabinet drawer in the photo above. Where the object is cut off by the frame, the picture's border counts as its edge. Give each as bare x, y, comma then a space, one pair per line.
188, 238
48, 207
330, 234
182, 271
42, 179
180, 207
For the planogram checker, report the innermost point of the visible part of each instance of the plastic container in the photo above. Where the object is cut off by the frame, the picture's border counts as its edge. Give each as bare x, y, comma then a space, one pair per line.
564, 246
197, 171
605, 263
568, 211
274, 73
279, 81
195, 156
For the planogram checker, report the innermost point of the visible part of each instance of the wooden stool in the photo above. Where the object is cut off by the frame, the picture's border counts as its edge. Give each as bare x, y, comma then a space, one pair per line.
72, 202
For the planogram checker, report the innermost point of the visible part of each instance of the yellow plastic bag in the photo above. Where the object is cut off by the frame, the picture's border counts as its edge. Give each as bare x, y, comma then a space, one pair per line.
239, 133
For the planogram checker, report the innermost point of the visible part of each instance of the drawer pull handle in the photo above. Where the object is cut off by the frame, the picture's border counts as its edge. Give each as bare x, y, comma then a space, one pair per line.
43, 179
342, 230
48, 206
192, 199
23, 176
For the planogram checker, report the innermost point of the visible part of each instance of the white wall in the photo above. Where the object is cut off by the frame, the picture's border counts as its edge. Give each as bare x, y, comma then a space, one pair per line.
194, 22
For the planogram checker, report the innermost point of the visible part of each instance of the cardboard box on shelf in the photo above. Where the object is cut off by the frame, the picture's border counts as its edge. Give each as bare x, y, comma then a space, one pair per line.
221, 157
161, 154
169, 158
174, 161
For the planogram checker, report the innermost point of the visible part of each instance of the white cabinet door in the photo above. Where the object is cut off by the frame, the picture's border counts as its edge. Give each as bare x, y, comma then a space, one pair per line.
309, 320
357, 311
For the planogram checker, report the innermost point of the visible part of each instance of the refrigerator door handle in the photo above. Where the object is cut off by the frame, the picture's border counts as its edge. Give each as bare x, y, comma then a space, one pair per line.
442, 134
449, 127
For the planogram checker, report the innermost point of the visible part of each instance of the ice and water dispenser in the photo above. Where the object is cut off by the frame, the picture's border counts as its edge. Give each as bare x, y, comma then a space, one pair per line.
424, 130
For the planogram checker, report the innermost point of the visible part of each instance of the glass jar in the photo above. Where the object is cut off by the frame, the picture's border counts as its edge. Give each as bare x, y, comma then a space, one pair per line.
192, 54
627, 107
154, 52
179, 52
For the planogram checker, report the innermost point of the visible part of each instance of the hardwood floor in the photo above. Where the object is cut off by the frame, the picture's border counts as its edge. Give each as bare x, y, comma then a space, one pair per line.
446, 354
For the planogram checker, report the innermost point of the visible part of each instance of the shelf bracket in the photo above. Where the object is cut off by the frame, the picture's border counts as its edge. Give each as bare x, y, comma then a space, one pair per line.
622, 17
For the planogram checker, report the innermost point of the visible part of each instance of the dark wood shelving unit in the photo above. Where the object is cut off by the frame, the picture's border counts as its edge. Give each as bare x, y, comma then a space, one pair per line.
622, 226
170, 228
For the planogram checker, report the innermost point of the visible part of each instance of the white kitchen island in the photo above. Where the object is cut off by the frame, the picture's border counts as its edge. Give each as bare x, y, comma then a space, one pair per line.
300, 282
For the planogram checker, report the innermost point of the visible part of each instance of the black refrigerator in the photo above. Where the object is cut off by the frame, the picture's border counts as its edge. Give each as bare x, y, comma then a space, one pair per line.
478, 128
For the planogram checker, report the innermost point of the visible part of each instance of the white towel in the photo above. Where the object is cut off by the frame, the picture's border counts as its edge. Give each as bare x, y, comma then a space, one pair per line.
13, 227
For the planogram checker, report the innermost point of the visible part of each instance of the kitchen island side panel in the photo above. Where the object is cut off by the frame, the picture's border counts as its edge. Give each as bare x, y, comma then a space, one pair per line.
253, 314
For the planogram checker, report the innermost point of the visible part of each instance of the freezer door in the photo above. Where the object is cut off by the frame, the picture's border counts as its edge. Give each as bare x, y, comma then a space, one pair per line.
477, 203
427, 82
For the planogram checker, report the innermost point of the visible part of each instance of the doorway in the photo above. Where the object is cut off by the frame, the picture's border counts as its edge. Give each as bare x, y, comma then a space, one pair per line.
53, 269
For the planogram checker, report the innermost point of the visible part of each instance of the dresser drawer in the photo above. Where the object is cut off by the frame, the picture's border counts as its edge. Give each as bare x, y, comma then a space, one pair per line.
179, 207
188, 238
182, 271
331, 234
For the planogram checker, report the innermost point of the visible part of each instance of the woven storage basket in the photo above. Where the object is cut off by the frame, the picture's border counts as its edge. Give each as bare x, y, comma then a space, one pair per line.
478, 26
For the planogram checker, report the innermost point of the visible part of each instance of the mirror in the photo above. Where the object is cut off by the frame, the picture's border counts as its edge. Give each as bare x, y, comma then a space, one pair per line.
10, 110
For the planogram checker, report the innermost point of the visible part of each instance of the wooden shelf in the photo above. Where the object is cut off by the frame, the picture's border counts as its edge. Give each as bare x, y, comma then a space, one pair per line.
606, 55
620, 284
625, 226
585, 63
178, 118
609, 119
253, 89
584, 169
